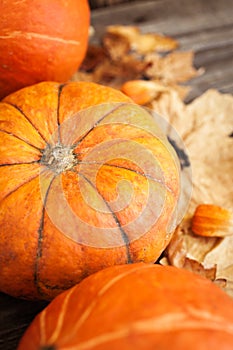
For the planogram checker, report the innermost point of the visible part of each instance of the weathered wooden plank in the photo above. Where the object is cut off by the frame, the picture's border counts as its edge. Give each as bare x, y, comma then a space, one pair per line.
167, 16
206, 27
207, 39
101, 3
15, 315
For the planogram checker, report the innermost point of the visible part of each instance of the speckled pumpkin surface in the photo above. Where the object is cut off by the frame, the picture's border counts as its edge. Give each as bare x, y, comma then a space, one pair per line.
87, 181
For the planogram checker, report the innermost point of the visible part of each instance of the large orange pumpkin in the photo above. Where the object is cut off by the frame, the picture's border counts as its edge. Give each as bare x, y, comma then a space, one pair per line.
140, 307
41, 40
81, 188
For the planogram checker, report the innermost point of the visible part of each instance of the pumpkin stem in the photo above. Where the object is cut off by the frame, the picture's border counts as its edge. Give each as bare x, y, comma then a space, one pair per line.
59, 158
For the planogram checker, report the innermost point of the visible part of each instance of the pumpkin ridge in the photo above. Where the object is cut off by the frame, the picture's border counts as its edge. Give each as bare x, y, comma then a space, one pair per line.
25, 116
147, 176
33, 35
19, 138
42, 323
97, 123
59, 92
88, 310
123, 234
40, 240
12, 164
193, 325
60, 320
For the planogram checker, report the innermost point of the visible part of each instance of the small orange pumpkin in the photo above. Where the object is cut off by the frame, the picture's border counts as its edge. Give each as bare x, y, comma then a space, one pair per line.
87, 180
41, 40
139, 306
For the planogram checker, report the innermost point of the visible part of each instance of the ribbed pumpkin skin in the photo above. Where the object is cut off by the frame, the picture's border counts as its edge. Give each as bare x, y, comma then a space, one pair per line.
41, 40
138, 306
37, 260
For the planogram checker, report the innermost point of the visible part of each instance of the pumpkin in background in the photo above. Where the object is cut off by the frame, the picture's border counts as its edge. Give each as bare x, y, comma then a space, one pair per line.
139, 306
87, 181
41, 40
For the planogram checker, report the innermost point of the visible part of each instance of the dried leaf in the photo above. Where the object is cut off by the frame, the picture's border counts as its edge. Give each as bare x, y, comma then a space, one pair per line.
147, 43
82, 76
95, 55
195, 266
176, 251
144, 43
115, 45
184, 244
116, 73
211, 257
210, 119
222, 255
189, 251
171, 107
182, 90
120, 59
129, 32
176, 67
205, 126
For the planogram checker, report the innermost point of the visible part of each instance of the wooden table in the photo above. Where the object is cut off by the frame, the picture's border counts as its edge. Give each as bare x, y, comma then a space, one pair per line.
205, 26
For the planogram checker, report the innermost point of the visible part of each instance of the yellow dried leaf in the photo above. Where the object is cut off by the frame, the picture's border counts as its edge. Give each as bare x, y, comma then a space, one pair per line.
222, 256
144, 43
113, 63
170, 106
209, 122
116, 45
95, 55
129, 32
184, 244
115, 73
207, 256
176, 67
205, 125
182, 90
195, 266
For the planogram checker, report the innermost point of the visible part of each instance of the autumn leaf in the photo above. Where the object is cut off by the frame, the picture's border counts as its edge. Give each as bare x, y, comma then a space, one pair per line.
205, 126
125, 54
175, 67
143, 43
208, 256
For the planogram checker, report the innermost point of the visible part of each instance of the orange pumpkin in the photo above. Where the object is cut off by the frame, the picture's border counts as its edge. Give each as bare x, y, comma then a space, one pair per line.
87, 180
139, 306
41, 40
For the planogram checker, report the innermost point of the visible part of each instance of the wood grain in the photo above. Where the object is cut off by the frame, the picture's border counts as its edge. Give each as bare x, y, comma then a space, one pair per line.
101, 3
205, 26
